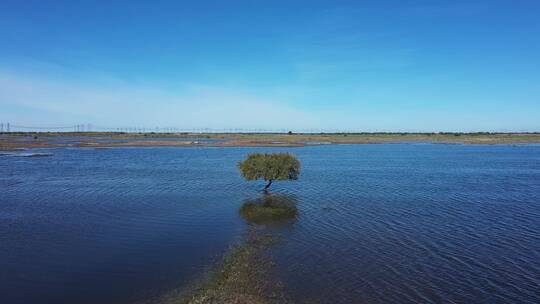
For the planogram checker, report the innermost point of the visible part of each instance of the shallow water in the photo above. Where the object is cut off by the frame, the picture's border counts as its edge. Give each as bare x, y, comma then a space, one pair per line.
384, 223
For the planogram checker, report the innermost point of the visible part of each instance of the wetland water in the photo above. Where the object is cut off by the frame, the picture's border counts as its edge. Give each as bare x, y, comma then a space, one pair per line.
383, 223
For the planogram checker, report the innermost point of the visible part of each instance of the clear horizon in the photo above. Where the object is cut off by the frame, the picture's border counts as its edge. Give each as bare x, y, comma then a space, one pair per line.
391, 66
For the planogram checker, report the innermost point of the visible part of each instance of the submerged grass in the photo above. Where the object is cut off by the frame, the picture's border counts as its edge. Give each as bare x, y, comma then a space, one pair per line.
245, 274
269, 209
244, 277
267, 212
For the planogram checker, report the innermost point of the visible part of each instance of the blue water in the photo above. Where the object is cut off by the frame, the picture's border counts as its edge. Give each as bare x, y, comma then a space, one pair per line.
388, 223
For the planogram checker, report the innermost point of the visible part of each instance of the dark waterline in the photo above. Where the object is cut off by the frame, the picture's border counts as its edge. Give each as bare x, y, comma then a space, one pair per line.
387, 223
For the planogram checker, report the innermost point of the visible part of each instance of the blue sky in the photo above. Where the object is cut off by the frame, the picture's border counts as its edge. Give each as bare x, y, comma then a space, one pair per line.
418, 65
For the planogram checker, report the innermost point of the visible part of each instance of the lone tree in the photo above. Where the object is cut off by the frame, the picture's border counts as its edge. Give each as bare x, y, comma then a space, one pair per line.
270, 167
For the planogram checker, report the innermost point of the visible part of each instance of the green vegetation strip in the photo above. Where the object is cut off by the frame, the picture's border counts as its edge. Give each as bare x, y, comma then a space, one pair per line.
268, 212
243, 277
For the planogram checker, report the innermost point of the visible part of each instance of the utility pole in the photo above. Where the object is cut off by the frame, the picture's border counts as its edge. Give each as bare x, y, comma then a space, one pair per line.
7, 128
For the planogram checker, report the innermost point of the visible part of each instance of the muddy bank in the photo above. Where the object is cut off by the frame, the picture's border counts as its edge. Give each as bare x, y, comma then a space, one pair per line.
14, 141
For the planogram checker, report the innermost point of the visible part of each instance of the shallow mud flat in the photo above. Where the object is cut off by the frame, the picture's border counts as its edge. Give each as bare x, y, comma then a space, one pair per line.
11, 141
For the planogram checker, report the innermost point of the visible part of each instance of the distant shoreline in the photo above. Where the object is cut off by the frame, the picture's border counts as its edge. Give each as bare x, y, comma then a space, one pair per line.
28, 140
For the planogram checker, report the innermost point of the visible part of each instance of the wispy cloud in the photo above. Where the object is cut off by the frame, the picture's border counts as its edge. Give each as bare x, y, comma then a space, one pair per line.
125, 104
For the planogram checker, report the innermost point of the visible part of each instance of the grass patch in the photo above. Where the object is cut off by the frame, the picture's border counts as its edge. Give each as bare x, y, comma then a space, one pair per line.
242, 278
269, 209
246, 274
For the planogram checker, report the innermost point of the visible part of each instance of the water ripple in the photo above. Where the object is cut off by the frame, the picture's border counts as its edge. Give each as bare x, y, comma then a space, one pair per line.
376, 224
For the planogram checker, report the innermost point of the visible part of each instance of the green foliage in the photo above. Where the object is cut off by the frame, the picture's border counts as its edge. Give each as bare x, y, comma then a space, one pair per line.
270, 166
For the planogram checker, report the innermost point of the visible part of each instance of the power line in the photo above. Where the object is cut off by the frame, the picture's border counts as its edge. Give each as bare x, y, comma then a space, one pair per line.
29, 127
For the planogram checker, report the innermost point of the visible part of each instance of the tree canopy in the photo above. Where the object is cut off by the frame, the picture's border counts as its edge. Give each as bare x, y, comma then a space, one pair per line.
270, 167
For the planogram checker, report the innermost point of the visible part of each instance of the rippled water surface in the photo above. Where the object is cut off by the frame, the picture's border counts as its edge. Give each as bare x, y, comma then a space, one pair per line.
389, 223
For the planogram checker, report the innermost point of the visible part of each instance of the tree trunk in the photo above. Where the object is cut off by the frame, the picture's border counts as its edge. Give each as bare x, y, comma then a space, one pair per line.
267, 186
